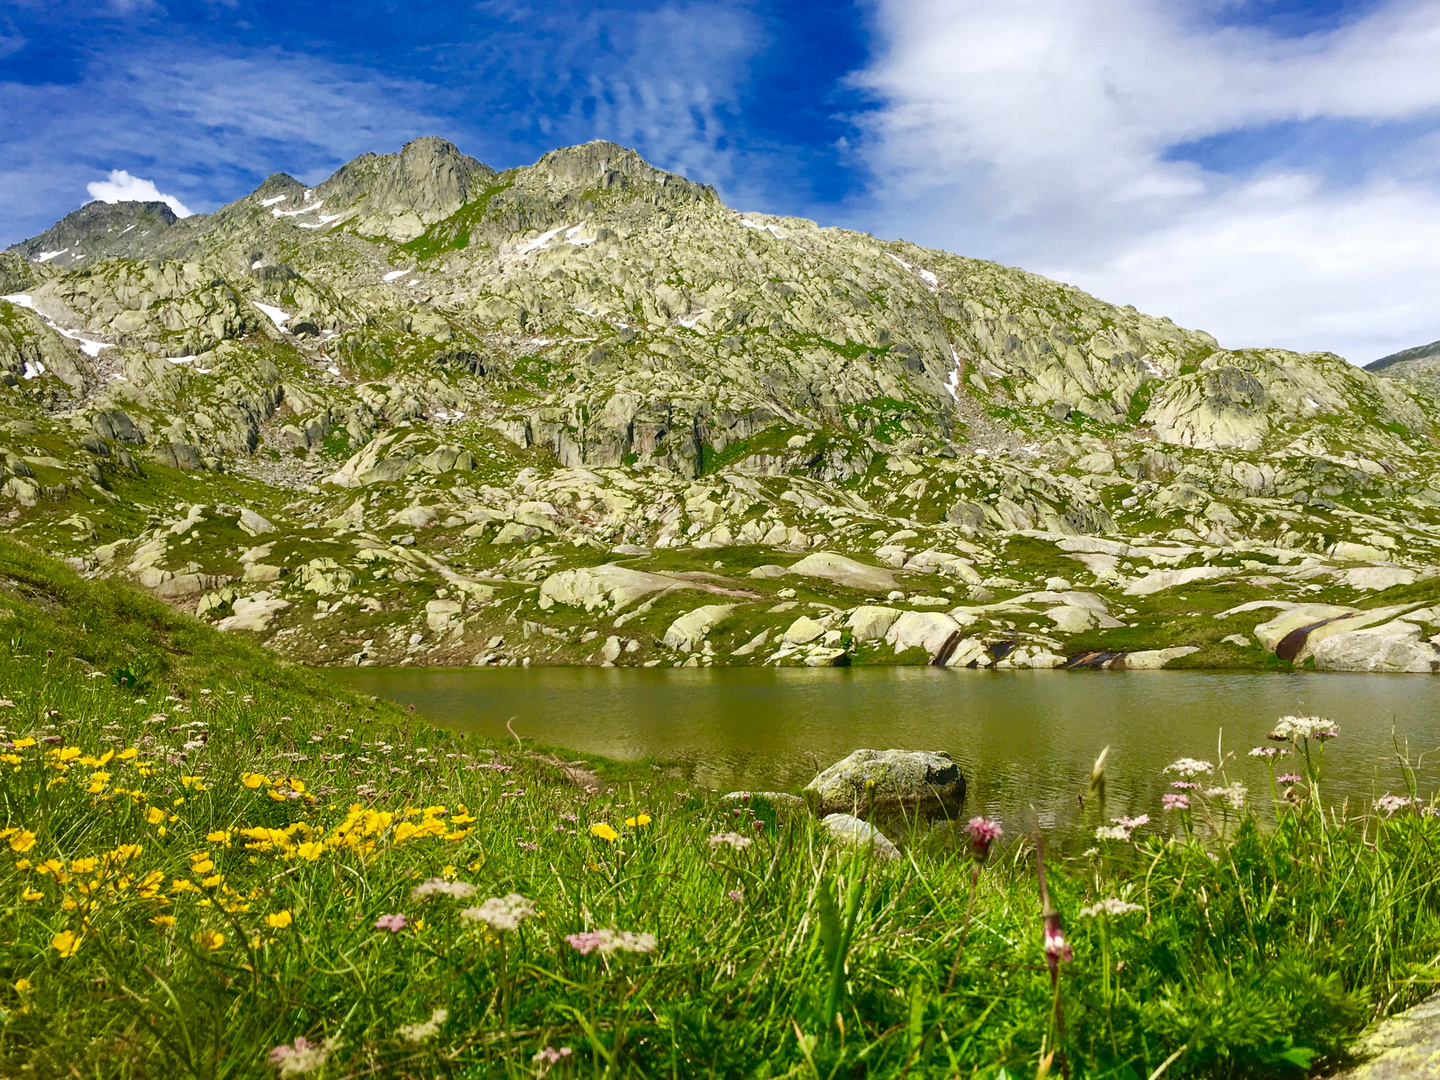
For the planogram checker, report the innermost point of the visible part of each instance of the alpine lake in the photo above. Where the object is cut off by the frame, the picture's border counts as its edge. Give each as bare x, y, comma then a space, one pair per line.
1026, 741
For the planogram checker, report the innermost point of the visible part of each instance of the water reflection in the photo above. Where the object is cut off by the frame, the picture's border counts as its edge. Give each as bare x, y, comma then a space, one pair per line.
1024, 739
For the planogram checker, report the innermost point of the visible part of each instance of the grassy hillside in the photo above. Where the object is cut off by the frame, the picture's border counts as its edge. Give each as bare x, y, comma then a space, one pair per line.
213, 864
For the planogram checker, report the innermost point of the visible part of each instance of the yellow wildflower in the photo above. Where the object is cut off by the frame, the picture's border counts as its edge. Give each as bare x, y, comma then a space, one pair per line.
23, 986
310, 850
280, 919
85, 865
163, 920
11, 759
53, 867
127, 755
202, 866
638, 820
458, 835
461, 819
219, 836
65, 753
214, 881
24, 840
123, 853
181, 885
23, 744
604, 831
98, 780
66, 943
210, 939
31, 895
254, 780
155, 816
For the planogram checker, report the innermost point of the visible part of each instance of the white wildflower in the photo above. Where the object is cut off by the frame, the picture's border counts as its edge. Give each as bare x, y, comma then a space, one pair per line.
1233, 793
423, 1032
1109, 906
735, 840
1189, 767
501, 913
1388, 804
1301, 727
1112, 832
303, 1057
456, 890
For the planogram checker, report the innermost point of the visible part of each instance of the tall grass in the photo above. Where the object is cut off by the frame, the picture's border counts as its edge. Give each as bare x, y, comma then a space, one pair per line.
238, 898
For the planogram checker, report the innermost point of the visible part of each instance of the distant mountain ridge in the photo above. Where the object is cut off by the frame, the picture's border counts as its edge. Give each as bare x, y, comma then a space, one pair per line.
492, 416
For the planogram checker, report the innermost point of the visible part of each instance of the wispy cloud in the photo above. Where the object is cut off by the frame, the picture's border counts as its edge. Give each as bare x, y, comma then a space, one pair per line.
1052, 133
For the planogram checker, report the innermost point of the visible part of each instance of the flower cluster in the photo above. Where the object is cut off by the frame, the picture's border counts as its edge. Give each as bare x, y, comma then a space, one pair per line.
607, 942
1294, 728
983, 832
1109, 906
1188, 767
501, 913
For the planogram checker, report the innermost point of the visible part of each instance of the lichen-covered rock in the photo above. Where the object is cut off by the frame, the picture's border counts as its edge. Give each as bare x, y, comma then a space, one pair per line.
844, 571
1393, 647
870, 622
850, 831
689, 630
887, 780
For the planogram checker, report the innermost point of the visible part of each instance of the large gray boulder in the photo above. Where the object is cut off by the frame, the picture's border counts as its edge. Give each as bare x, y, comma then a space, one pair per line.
903, 779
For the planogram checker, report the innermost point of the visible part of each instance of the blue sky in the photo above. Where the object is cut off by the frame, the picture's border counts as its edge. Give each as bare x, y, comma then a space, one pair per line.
1268, 170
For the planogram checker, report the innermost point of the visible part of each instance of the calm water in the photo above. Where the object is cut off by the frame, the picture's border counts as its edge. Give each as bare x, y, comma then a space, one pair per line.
1024, 739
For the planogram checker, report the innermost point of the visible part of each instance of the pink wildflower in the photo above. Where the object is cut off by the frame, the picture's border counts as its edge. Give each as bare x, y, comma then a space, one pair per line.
551, 1056
983, 832
1176, 802
1184, 785
393, 923
1288, 778
610, 941
737, 895
1057, 949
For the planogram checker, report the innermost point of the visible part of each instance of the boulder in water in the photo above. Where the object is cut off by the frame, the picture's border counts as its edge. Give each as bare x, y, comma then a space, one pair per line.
888, 780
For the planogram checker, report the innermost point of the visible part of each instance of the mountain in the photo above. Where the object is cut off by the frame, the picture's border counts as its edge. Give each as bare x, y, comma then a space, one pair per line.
1420, 364
582, 411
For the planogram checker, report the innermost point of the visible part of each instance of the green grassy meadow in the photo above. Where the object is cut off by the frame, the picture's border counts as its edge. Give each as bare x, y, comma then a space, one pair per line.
214, 864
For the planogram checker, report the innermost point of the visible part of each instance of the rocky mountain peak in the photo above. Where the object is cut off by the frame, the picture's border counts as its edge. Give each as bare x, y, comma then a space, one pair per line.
99, 229
606, 166
398, 195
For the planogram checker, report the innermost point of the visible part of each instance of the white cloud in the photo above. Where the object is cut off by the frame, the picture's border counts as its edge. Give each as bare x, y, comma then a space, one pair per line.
122, 187
1039, 132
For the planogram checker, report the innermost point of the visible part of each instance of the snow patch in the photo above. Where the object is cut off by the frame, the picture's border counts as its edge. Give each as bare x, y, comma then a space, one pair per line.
395, 275
952, 384
333, 370
88, 347
46, 256
759, 227
572, 236
543, 239
923, 274
181, 359
689, 321
272, 202
33, 371
278, 317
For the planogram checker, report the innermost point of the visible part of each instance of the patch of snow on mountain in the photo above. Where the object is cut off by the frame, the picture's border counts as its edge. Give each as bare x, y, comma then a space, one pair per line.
46, 256
759, 227
395, 275
572, 235
272, 202
278, 317
541, 240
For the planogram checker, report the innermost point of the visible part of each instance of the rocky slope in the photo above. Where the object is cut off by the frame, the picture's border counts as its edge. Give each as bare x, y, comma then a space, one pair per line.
583, 412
